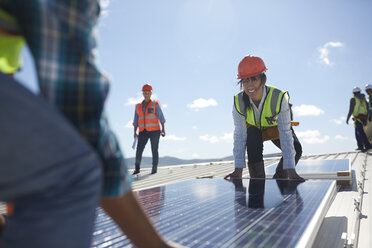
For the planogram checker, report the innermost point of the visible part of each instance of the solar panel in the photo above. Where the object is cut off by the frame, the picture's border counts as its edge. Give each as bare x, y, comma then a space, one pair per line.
220, 213
337, 169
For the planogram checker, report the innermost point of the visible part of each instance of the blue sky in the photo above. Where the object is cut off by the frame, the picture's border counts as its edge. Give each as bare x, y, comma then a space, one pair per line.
189, 50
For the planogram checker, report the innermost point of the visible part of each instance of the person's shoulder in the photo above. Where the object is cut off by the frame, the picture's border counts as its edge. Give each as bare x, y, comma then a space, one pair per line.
139, 103
157, 104
269, 86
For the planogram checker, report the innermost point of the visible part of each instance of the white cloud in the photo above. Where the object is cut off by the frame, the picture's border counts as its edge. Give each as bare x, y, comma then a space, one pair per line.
312, 137
324, 51
139, 98
307, 110
339, 120
164, 106
195, 155
194, 127
129, 124
340, 137
173, 137
104, 5
133, 101
210, 139
227, 137
202, 103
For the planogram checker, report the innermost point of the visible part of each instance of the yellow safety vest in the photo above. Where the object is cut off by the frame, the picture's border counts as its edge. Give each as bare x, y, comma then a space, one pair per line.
270, 110
360, 109
11, 43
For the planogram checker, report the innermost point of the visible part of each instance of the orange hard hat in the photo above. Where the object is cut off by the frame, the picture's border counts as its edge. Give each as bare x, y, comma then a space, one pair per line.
251, 66
146, 87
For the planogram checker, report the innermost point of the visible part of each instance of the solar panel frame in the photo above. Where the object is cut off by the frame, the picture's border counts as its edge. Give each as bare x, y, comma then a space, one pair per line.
334, 172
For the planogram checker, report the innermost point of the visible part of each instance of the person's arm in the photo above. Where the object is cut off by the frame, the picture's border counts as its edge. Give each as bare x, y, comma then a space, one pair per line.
162, 129
351, 109
81, 95
135, 123
160, 115
135, 131
240, 140
127, 212
286, 141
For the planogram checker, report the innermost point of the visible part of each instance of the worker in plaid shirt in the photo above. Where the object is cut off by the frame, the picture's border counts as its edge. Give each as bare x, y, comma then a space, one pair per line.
60, 36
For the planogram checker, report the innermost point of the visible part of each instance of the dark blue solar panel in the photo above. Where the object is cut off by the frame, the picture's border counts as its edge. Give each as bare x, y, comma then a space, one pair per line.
219, 213
316, 166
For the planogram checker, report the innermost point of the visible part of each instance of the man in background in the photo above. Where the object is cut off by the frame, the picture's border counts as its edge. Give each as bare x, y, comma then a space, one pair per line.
149, 120
359, 109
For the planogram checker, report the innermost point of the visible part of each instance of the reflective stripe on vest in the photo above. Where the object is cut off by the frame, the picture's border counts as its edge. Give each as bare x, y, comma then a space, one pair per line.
11, 43
147, 120
360, 107
270, 110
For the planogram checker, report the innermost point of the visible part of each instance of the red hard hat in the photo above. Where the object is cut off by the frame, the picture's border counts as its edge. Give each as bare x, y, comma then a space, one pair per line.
251, 66
146, 87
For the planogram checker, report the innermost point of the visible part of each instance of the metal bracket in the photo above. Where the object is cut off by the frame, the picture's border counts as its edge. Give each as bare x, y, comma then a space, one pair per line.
348, 242
356, 203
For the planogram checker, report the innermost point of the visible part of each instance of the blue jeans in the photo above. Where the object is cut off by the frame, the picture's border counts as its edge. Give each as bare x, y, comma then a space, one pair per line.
297, 147
143, 137
47, 171
361, 137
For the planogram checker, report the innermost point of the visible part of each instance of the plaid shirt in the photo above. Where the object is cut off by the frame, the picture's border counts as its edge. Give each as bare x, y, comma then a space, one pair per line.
60, 35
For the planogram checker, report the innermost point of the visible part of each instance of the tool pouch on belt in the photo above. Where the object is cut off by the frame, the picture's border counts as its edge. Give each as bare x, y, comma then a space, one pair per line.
272, 133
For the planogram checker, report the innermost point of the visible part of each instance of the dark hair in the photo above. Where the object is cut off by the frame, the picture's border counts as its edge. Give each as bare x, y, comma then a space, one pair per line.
246, 100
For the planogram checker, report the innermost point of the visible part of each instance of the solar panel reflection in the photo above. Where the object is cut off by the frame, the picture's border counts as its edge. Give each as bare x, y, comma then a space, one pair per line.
220, 213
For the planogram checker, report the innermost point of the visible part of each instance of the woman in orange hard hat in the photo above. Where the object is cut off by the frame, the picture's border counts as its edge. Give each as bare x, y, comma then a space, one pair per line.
147, 118
261, 112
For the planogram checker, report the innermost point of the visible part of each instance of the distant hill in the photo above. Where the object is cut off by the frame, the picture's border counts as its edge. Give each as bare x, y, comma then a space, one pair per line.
168, 161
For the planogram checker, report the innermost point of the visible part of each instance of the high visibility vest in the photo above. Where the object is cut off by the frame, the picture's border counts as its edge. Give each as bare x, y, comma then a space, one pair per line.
11, 43
360, 107
270, 110
147, 120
